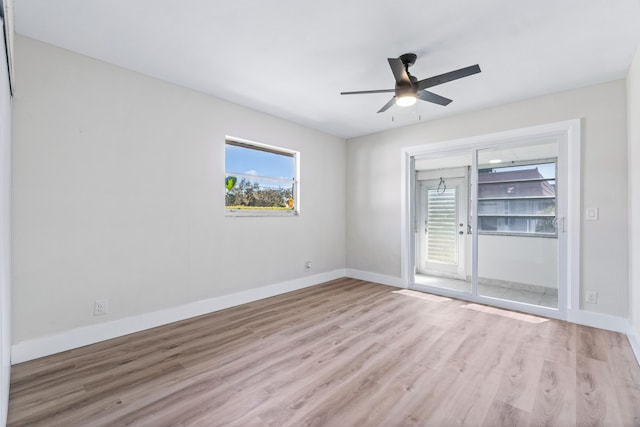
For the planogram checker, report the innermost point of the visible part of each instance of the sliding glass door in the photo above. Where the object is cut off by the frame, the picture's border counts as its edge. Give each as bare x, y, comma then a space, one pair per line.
517, 224
488, 223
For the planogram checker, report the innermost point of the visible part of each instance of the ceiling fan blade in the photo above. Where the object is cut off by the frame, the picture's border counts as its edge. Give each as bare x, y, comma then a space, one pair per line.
447, 77
399, 72
387, 105
368, 91
432, 97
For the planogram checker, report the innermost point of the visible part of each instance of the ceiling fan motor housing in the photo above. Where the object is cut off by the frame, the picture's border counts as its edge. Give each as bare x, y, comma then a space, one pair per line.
408, 59
404, 87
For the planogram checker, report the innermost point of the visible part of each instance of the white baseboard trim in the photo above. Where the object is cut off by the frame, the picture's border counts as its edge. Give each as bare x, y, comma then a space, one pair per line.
598, 320
85, 335
634, 340
375, 277
608, 322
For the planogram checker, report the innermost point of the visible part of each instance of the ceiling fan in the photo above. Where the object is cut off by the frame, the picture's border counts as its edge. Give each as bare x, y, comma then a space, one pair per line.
409, 89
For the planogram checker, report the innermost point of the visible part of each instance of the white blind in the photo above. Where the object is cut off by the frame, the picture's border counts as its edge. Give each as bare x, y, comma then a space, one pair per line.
442, 242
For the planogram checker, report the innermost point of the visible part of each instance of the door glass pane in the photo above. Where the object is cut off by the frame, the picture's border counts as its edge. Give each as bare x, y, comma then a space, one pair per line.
442, 242
516, 221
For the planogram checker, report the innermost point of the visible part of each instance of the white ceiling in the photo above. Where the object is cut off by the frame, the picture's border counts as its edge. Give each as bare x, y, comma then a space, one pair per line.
292, 58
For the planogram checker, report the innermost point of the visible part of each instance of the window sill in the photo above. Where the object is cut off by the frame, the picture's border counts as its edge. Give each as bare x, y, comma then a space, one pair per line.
516, 234
259, 213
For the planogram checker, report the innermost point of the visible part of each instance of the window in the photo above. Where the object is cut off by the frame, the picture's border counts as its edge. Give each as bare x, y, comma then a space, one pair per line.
260, 179
518, 199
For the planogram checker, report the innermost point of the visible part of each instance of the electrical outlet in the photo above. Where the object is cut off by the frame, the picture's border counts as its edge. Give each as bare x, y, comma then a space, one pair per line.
100, 307
591, 297
307, 265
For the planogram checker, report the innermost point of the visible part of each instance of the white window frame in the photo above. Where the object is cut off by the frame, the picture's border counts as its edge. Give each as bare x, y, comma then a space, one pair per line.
296, 181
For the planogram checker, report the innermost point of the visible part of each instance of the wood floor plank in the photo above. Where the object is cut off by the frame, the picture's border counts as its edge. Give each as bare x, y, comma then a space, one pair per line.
596, 400
592, 343
471, 400
520, 379
415, 406
627, 395
505, 415
555, 403
344, 353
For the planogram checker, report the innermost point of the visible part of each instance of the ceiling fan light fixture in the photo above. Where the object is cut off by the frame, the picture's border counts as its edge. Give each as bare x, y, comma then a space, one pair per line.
406, 100
409, 89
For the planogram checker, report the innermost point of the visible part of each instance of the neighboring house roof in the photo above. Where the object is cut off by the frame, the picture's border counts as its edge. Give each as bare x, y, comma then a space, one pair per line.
515, 184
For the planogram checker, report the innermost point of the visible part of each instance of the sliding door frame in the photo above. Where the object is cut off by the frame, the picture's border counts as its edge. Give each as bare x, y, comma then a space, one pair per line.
567, 135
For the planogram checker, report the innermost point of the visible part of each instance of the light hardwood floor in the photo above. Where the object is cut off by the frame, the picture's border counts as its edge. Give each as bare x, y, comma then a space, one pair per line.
345, 353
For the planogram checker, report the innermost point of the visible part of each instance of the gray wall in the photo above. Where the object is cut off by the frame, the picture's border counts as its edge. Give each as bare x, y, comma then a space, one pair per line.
374, 199
118, 194
633, 99
5, 232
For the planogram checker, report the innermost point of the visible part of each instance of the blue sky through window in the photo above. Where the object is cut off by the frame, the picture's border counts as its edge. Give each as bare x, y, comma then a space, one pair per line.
241, 160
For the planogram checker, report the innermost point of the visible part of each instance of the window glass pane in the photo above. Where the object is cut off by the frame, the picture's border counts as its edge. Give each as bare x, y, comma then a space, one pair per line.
517, 199
533, 170
259, 178
489, 223
517, 207
544, 225
260, 194
247, 161
518, 181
